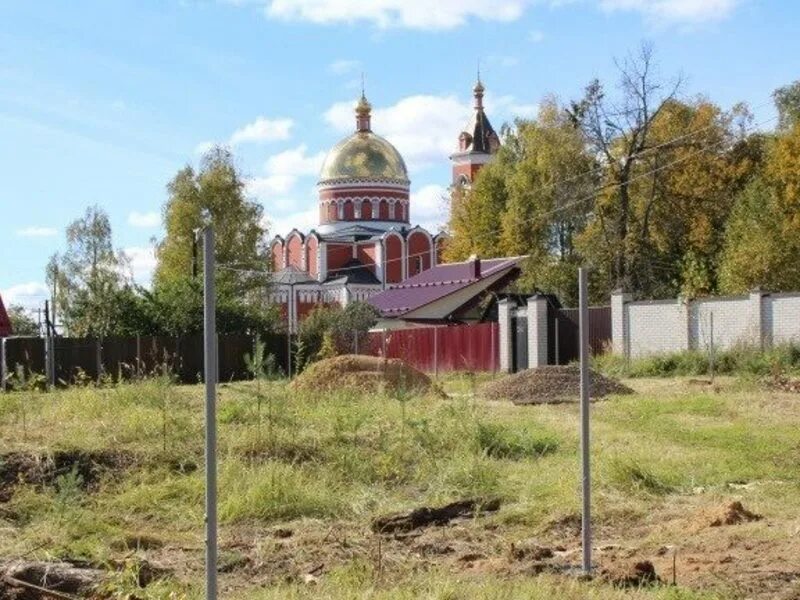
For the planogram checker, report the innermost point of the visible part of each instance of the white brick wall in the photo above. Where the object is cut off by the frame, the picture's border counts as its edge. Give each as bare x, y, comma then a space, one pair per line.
733, 323
661, 326
782, 318
655, 327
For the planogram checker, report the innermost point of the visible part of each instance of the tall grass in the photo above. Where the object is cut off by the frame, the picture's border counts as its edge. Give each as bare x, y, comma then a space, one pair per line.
740, 360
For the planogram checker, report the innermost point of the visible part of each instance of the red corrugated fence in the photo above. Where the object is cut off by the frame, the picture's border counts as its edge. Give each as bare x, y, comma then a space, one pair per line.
440, 349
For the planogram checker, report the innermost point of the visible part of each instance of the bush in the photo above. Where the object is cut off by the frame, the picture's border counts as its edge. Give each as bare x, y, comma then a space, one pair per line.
739, 360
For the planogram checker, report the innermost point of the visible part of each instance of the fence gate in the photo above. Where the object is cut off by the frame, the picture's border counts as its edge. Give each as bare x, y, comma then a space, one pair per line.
519, 341
564, 329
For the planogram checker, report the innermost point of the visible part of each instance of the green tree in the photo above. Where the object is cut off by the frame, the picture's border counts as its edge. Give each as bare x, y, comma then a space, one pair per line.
215, 191
338, 326
762, 239
476, 211
787, 101
21, 321
88, 275
756, 252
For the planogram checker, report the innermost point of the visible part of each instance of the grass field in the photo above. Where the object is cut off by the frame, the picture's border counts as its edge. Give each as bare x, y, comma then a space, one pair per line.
301, 478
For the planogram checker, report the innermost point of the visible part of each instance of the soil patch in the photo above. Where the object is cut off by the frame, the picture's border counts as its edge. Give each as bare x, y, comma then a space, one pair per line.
364, 374
44, 470
425, 516
636, 574
550, 385
727, 514
783, 384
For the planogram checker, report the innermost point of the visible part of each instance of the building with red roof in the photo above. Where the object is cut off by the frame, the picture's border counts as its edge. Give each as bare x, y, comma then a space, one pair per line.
365, 241
446, 293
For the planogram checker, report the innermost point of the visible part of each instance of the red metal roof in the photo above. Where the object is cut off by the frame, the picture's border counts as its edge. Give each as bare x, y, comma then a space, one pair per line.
5, 322
435, 283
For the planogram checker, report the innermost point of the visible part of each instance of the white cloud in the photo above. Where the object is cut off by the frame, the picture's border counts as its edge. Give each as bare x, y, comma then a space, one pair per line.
263, 130
142, 263
37, 232
30, 295
429, 207
675, 11
295, 162
148, 219
414, 14
303, 220
283, 170
262, 187
343, 66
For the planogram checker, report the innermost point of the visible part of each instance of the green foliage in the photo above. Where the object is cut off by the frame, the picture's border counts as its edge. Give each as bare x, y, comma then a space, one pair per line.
499, 441
88, 275
741, 360
670, 196
336, 325
217, 189
21, 322
755, 252
632, 475
787, 101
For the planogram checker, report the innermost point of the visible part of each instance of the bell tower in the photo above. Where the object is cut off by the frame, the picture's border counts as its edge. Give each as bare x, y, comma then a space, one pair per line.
477, 142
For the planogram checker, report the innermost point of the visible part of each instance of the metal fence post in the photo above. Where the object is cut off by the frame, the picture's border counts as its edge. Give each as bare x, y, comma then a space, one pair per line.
3, 365
711, 356
435, 351
586, 488
555, 336
210, 368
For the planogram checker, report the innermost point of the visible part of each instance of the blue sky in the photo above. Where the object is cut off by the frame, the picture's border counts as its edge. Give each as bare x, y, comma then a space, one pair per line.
102, 102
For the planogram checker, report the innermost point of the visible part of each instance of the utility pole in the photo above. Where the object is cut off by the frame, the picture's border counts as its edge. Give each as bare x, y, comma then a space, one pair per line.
210, 370
49, 347
586, 485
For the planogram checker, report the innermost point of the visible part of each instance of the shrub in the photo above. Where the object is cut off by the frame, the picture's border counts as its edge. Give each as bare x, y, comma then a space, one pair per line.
739, 360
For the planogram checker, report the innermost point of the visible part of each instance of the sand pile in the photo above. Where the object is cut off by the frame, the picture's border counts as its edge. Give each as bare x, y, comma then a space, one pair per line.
354, 372
550, 385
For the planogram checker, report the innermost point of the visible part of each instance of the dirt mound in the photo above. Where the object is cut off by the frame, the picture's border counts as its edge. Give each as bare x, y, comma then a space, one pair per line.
45, 469
359, 373
727, 514
550, 385
636, 575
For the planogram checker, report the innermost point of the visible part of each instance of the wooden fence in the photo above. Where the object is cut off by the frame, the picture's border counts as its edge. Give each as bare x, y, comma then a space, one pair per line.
126, 358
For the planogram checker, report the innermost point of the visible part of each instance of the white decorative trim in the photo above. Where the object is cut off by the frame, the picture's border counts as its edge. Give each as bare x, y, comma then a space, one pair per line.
337, 184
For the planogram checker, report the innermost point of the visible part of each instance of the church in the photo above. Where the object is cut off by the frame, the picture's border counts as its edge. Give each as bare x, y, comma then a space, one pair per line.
365, 241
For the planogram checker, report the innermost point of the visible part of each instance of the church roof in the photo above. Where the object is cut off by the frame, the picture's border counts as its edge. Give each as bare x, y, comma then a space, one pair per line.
364, 155
481, 131
291, 275
353, 271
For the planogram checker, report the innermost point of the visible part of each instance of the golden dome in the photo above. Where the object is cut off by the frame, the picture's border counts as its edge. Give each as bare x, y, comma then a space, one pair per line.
364, 155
